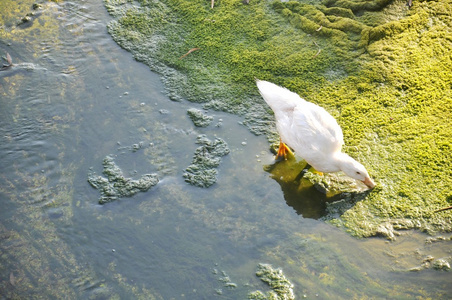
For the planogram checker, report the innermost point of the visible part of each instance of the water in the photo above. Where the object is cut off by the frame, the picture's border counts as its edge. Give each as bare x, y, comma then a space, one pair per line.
73, 98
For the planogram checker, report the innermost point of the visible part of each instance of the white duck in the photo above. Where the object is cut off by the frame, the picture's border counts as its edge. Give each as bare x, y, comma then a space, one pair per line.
311, 132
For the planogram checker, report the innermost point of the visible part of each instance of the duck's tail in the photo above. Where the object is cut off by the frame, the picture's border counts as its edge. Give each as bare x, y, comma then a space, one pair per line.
278, 98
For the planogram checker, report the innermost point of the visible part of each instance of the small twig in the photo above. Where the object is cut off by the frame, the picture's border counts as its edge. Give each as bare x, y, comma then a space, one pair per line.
441, 209
189, 51
318, 52
212, 2
320, 28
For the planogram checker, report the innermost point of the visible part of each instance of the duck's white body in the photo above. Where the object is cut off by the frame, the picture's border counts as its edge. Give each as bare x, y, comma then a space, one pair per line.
311, 132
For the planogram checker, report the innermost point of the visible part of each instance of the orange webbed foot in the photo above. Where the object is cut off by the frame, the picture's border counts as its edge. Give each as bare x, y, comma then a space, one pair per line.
283, 151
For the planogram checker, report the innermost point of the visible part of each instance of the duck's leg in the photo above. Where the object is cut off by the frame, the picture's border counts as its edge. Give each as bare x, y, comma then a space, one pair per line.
283, 151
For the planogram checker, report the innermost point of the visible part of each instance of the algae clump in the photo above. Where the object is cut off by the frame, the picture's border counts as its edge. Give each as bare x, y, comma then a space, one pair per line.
116, 186
203, 170
199, 118
282, 288
380, 67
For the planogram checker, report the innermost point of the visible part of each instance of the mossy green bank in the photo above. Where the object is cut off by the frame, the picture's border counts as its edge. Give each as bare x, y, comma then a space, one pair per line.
381, 68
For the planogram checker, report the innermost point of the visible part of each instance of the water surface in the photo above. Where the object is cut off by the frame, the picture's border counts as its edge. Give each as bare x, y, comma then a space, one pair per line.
75, 97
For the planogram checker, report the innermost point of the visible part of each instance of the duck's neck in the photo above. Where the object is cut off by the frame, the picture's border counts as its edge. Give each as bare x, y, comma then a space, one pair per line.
329, 164
343, 160
351, 167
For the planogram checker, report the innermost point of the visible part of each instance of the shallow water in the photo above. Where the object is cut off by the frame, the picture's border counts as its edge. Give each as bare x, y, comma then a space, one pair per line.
75, 97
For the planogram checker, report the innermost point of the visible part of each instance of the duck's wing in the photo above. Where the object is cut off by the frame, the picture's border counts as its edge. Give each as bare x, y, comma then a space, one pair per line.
315, 131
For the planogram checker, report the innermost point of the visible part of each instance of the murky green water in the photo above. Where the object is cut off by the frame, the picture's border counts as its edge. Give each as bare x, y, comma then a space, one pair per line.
75, 97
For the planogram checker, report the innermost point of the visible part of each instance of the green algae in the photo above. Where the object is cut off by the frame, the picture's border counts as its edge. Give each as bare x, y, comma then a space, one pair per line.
22, 21
116, 186
430, 262
30, 237
442, 264
199, 118
30, 249
282, 288
203, 170
378, 66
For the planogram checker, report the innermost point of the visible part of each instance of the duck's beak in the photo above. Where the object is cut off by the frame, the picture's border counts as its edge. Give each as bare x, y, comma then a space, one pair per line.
369, 182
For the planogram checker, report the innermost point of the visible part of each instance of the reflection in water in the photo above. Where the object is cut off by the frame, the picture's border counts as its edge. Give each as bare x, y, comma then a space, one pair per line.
299, 193
306, 195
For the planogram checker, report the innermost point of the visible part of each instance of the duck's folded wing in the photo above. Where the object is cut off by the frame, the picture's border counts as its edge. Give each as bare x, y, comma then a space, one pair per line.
316, 129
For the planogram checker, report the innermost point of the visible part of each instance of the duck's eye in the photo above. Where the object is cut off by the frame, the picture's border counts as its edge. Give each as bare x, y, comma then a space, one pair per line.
357, 172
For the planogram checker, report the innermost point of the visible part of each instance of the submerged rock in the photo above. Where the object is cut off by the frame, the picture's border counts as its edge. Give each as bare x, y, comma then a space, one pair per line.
202, 172
116, 185
282, 288
199, 118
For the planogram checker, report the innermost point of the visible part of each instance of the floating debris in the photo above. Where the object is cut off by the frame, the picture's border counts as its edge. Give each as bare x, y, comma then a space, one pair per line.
202, 172
430, 262
199, 118
282, 288
8, 59
116, 186
10, 63
36, 6
226, 280
12, 279
431, 239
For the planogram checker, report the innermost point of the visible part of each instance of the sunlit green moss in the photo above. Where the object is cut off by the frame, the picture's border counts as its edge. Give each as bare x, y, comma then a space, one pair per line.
380, 67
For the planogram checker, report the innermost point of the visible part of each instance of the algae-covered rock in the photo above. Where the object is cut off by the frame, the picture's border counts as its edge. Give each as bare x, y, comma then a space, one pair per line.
202, 172
116, 185
199, 118
282, 288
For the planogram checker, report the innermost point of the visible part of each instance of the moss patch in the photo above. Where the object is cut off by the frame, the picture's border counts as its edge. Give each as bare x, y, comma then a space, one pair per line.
199, 118
203, 170
380, 67
282, 288
116, 186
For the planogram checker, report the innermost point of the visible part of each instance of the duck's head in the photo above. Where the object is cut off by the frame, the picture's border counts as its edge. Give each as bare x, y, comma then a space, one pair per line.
355, 170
